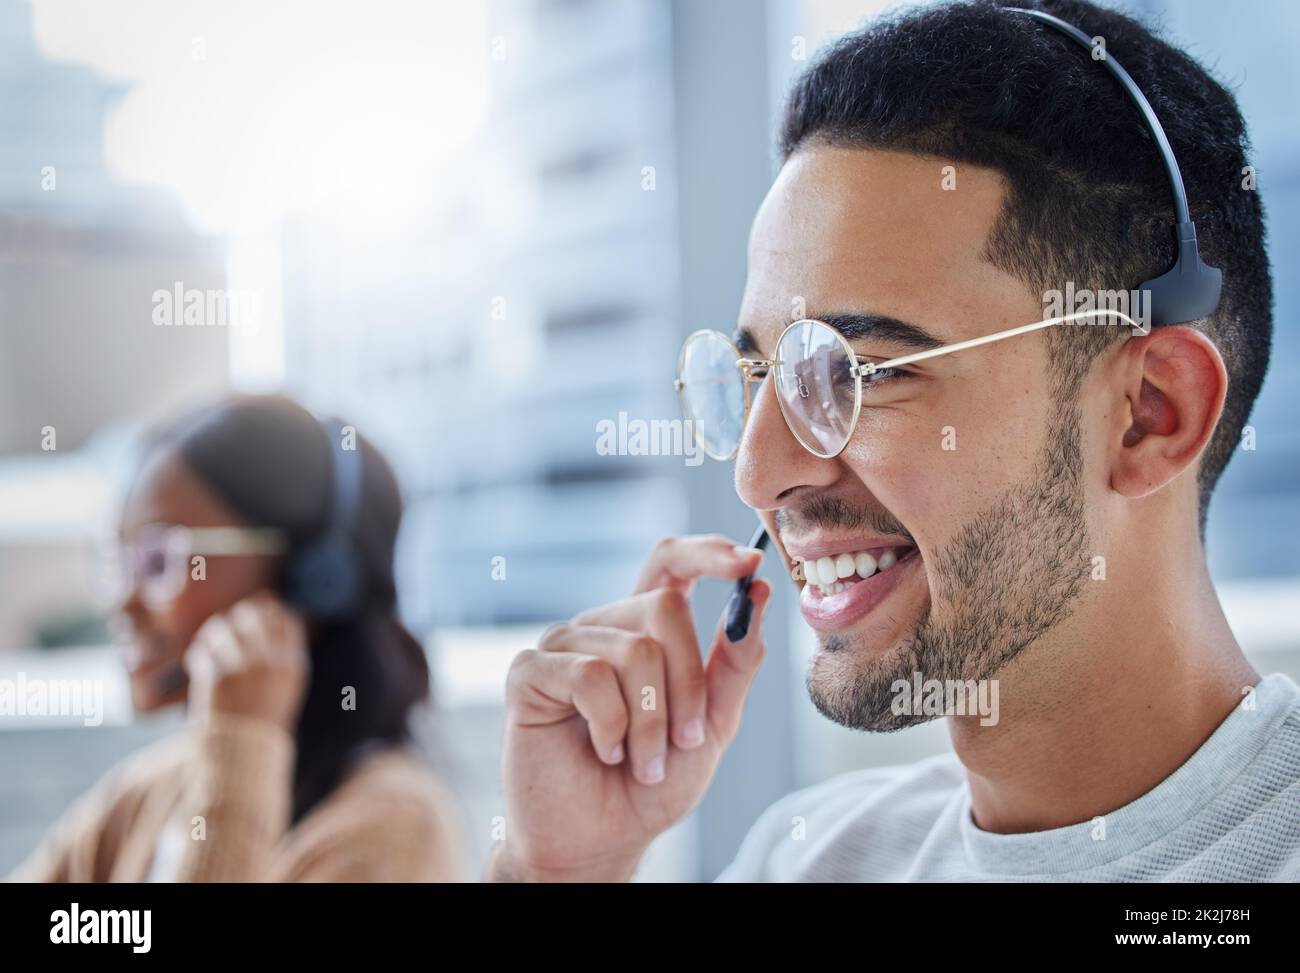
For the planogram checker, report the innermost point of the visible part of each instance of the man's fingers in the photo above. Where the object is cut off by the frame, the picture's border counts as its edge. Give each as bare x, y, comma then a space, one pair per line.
647, 645
676, 562
639, 662
545, 687
732, 666
665, 614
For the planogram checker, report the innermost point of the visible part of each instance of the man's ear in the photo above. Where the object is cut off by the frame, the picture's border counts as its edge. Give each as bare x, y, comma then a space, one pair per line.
1174, 383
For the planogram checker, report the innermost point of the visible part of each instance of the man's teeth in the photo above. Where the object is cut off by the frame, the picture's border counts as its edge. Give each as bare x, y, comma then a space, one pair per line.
831, 574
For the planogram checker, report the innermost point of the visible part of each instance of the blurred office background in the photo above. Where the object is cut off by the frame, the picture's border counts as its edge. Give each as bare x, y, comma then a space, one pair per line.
474, 230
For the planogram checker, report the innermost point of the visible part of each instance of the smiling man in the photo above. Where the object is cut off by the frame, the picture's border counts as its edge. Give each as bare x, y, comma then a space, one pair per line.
1026, 512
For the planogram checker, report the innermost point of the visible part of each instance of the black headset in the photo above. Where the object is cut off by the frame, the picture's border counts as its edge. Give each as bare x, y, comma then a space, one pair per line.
322, 577
1190, 289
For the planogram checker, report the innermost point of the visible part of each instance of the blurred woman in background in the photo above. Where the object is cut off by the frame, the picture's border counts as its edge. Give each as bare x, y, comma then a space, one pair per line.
258, 542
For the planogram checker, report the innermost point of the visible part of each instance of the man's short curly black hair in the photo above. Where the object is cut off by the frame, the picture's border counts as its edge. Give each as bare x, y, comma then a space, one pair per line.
1088, 199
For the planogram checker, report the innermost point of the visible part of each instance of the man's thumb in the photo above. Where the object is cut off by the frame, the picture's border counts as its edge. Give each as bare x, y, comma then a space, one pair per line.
732, 665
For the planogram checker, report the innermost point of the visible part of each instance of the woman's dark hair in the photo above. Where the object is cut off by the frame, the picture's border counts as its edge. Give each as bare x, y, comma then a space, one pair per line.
269, 460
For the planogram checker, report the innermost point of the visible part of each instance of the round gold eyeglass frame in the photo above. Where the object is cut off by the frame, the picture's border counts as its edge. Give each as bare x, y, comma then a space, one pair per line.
857, 369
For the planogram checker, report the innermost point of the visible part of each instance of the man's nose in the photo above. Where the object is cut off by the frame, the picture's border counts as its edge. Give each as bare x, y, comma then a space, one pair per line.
771, 466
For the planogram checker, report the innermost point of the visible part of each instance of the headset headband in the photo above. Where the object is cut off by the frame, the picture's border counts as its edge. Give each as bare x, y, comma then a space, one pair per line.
345, 467
1190, 289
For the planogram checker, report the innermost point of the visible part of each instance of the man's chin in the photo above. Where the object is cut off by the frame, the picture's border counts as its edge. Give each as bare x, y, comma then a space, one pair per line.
853, 682
852, 677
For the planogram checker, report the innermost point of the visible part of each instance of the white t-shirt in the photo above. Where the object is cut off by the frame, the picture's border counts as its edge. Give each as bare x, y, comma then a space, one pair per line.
1231, 813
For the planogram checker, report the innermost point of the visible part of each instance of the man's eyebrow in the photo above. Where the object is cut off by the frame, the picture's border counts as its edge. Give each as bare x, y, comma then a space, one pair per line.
880, 327
745, 342
853, 326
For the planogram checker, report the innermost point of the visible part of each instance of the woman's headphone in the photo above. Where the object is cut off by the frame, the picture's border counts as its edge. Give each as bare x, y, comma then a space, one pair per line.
322, 578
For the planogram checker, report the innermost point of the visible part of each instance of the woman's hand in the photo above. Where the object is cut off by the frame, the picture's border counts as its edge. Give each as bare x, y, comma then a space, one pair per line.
251, 660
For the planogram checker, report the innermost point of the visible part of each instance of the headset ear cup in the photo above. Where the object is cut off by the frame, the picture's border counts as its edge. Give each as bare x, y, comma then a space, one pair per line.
1190, 290
322, 581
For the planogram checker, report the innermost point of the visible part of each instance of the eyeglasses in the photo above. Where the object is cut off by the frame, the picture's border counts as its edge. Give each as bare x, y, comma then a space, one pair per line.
820, 382
158, 559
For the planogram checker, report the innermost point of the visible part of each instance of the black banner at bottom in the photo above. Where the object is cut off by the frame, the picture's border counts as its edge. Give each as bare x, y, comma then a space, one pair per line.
334, 922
